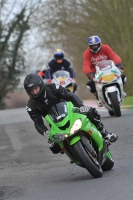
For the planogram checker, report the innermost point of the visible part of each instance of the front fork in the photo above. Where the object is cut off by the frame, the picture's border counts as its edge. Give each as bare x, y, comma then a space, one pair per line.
68, 152
92, 133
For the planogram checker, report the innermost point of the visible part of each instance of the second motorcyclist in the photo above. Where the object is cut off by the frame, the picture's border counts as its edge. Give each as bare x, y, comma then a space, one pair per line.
93, 54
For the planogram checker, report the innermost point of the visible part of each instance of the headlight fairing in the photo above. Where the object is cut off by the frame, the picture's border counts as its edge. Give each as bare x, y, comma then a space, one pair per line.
59, 137
76, 126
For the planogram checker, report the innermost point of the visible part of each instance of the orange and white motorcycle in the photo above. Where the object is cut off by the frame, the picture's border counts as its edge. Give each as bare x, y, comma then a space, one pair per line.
109, 86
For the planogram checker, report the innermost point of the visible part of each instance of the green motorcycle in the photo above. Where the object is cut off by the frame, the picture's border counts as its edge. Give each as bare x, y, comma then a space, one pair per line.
79, 139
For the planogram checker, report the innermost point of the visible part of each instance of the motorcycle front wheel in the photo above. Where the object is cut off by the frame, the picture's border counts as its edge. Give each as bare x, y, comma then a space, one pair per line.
89, 162
115, 104
111, 113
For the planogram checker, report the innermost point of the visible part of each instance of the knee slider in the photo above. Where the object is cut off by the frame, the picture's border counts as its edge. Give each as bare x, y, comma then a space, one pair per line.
88, 87
125, 79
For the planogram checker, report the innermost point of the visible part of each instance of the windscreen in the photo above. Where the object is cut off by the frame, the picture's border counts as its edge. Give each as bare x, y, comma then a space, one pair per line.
58, 112
61, 73
105, 65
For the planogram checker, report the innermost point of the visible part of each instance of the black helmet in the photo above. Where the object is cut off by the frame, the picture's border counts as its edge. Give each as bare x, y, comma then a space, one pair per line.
31, 81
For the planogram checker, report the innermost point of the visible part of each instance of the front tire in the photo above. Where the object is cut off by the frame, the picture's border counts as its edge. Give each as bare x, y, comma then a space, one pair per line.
111, 112
82, 154
115, 104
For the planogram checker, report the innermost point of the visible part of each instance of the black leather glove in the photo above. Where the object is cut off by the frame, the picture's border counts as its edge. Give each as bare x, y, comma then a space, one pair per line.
84, 109
90, 76
46, 134
54, 147
120, 67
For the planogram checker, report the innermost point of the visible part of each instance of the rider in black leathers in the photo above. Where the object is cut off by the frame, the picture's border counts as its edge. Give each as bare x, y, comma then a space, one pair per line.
44, 96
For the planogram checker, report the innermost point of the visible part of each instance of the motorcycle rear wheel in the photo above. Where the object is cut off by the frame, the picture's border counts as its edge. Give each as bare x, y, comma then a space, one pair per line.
108, 165
82, 154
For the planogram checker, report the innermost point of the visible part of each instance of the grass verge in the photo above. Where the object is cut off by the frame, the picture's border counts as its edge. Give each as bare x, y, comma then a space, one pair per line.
128, 102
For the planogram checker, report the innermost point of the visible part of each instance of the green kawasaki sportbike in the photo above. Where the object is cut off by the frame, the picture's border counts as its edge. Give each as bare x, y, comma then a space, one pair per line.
79, 138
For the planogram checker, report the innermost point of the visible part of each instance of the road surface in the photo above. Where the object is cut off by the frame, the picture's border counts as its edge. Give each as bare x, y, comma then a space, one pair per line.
29, 170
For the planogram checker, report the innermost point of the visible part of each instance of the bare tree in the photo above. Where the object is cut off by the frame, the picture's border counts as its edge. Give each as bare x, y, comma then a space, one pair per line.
13, 29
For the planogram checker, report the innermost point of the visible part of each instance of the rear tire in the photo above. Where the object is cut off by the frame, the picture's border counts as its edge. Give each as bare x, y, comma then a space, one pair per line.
115, 104
108, 165
89, 163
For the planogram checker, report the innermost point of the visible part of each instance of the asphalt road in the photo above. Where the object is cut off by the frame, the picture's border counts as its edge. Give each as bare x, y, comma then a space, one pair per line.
29, 171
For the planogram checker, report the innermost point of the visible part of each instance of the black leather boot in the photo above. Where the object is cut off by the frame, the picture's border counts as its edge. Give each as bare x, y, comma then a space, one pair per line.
106, 135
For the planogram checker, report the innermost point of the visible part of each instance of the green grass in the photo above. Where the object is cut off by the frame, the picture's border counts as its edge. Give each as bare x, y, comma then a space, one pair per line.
128, 101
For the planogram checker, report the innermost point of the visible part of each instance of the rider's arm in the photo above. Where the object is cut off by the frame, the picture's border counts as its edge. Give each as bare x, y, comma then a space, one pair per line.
50, 70
38, 121
71, 71
111, 54
86, 62
48, 74
68, 67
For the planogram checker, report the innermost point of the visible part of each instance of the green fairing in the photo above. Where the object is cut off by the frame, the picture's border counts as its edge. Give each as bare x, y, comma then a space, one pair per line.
72, 117
74, 140
115, 71
79, 139
100, 75
96, 135
109, 155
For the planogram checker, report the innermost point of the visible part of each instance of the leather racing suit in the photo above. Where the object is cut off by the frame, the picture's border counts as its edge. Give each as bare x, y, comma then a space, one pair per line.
52, 94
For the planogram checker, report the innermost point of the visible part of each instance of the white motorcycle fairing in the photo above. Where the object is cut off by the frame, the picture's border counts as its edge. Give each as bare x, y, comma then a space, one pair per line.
109, 86
112, 89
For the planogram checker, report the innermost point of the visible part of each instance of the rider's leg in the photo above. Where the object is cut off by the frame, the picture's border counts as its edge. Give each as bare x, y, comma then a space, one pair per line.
91, 87
124, 79
95, 118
